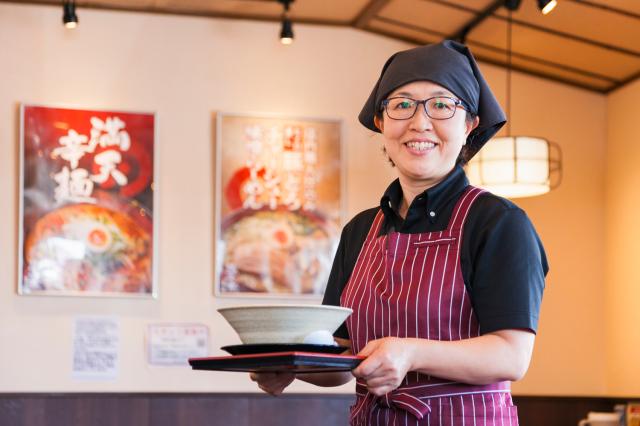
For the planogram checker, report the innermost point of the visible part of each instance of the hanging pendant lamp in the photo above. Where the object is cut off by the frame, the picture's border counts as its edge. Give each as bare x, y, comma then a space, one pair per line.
516, 166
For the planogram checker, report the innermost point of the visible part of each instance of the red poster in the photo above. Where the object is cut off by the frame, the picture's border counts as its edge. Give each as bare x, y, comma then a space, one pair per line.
87, 202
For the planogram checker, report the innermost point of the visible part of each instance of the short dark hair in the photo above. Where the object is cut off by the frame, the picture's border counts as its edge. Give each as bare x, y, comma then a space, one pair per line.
465, 155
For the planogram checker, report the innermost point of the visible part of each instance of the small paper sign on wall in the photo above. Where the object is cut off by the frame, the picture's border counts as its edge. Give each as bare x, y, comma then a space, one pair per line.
96, 342
174, 344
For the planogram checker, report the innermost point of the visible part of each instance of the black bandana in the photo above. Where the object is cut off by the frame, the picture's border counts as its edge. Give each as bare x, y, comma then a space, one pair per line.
452, 66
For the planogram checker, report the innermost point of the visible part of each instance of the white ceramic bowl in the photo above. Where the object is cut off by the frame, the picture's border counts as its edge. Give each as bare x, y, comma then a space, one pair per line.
282, 323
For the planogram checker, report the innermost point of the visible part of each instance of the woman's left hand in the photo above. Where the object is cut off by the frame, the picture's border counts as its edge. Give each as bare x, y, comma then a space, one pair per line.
387, 362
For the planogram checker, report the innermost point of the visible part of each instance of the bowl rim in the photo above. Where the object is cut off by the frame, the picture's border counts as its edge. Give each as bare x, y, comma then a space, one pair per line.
285, 306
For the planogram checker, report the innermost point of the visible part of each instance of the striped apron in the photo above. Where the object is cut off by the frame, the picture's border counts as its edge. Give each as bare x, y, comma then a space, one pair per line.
411, 285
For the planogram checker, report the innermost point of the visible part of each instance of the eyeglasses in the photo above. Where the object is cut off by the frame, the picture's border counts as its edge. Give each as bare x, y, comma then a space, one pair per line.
438, 108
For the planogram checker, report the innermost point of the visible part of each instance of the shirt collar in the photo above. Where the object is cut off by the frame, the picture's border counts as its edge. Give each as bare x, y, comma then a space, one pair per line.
429, 202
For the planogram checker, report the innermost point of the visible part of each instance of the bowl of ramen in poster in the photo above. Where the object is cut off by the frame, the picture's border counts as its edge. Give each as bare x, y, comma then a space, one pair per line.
276, 251
89, 248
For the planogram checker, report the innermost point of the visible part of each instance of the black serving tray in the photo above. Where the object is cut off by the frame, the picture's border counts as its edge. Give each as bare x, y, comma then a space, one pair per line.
293, 362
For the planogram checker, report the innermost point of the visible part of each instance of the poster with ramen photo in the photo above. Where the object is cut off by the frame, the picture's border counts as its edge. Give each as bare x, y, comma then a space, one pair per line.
278, 204
87, 199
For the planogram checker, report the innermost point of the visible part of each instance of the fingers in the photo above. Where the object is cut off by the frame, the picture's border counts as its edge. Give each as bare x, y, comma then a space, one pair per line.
384, 367
370, 348
378, 382
367, 367
383, 377
383, 383
371, 363
272, 383
381, 390
273, 390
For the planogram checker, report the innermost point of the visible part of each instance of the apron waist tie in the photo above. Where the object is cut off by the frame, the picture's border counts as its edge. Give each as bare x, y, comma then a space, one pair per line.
409, 398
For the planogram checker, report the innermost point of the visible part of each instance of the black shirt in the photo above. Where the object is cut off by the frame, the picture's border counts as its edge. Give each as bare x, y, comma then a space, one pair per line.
503, 261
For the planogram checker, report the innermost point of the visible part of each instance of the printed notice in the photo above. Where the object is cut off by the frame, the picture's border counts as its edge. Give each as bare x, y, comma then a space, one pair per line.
95, 348
174, 344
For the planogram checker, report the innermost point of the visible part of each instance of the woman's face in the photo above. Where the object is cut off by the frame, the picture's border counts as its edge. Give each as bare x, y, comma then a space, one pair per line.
424, 150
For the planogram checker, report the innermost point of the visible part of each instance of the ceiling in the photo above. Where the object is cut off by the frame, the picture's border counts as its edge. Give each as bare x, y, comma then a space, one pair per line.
593, 44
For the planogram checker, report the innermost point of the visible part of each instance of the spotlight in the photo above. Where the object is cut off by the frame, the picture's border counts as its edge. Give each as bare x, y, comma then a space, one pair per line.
546, 6
69, 17
512, 5
286, 32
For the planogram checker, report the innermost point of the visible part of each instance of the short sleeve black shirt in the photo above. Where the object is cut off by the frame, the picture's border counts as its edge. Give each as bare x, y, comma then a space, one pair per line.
502, 258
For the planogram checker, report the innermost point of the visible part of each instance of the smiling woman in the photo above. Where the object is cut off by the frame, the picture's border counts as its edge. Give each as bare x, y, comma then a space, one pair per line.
445, 280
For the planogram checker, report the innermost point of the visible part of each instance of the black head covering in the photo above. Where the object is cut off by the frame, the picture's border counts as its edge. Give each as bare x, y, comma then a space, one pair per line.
451, 65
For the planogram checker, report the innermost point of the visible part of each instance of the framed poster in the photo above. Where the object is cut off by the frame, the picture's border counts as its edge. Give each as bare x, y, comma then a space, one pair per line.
86, 202
278, 204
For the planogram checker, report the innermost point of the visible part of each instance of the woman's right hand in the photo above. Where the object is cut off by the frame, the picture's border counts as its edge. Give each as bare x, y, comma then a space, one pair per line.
272, 383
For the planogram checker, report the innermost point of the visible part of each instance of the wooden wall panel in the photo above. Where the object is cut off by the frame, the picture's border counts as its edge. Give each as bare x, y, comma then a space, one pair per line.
558, 411
240, 409
199, 409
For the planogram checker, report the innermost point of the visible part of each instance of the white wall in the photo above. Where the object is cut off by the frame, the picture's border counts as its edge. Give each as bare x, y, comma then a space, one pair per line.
186, 68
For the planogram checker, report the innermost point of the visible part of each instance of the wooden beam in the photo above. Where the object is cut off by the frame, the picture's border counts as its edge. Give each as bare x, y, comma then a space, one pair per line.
548, 30
603, 6
579, 71
369, 12
633, 77
406, 25
461, 34
481, 58
569, 36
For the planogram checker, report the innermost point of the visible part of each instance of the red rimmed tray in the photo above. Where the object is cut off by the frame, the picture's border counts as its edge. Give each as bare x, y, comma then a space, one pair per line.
292, 362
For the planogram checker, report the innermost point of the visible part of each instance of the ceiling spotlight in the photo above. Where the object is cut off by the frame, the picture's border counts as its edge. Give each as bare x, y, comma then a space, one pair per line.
286, 32
512, 5
69, 17
546, 6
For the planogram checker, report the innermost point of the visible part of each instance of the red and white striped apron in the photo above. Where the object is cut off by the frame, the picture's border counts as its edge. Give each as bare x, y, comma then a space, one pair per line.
411, 285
